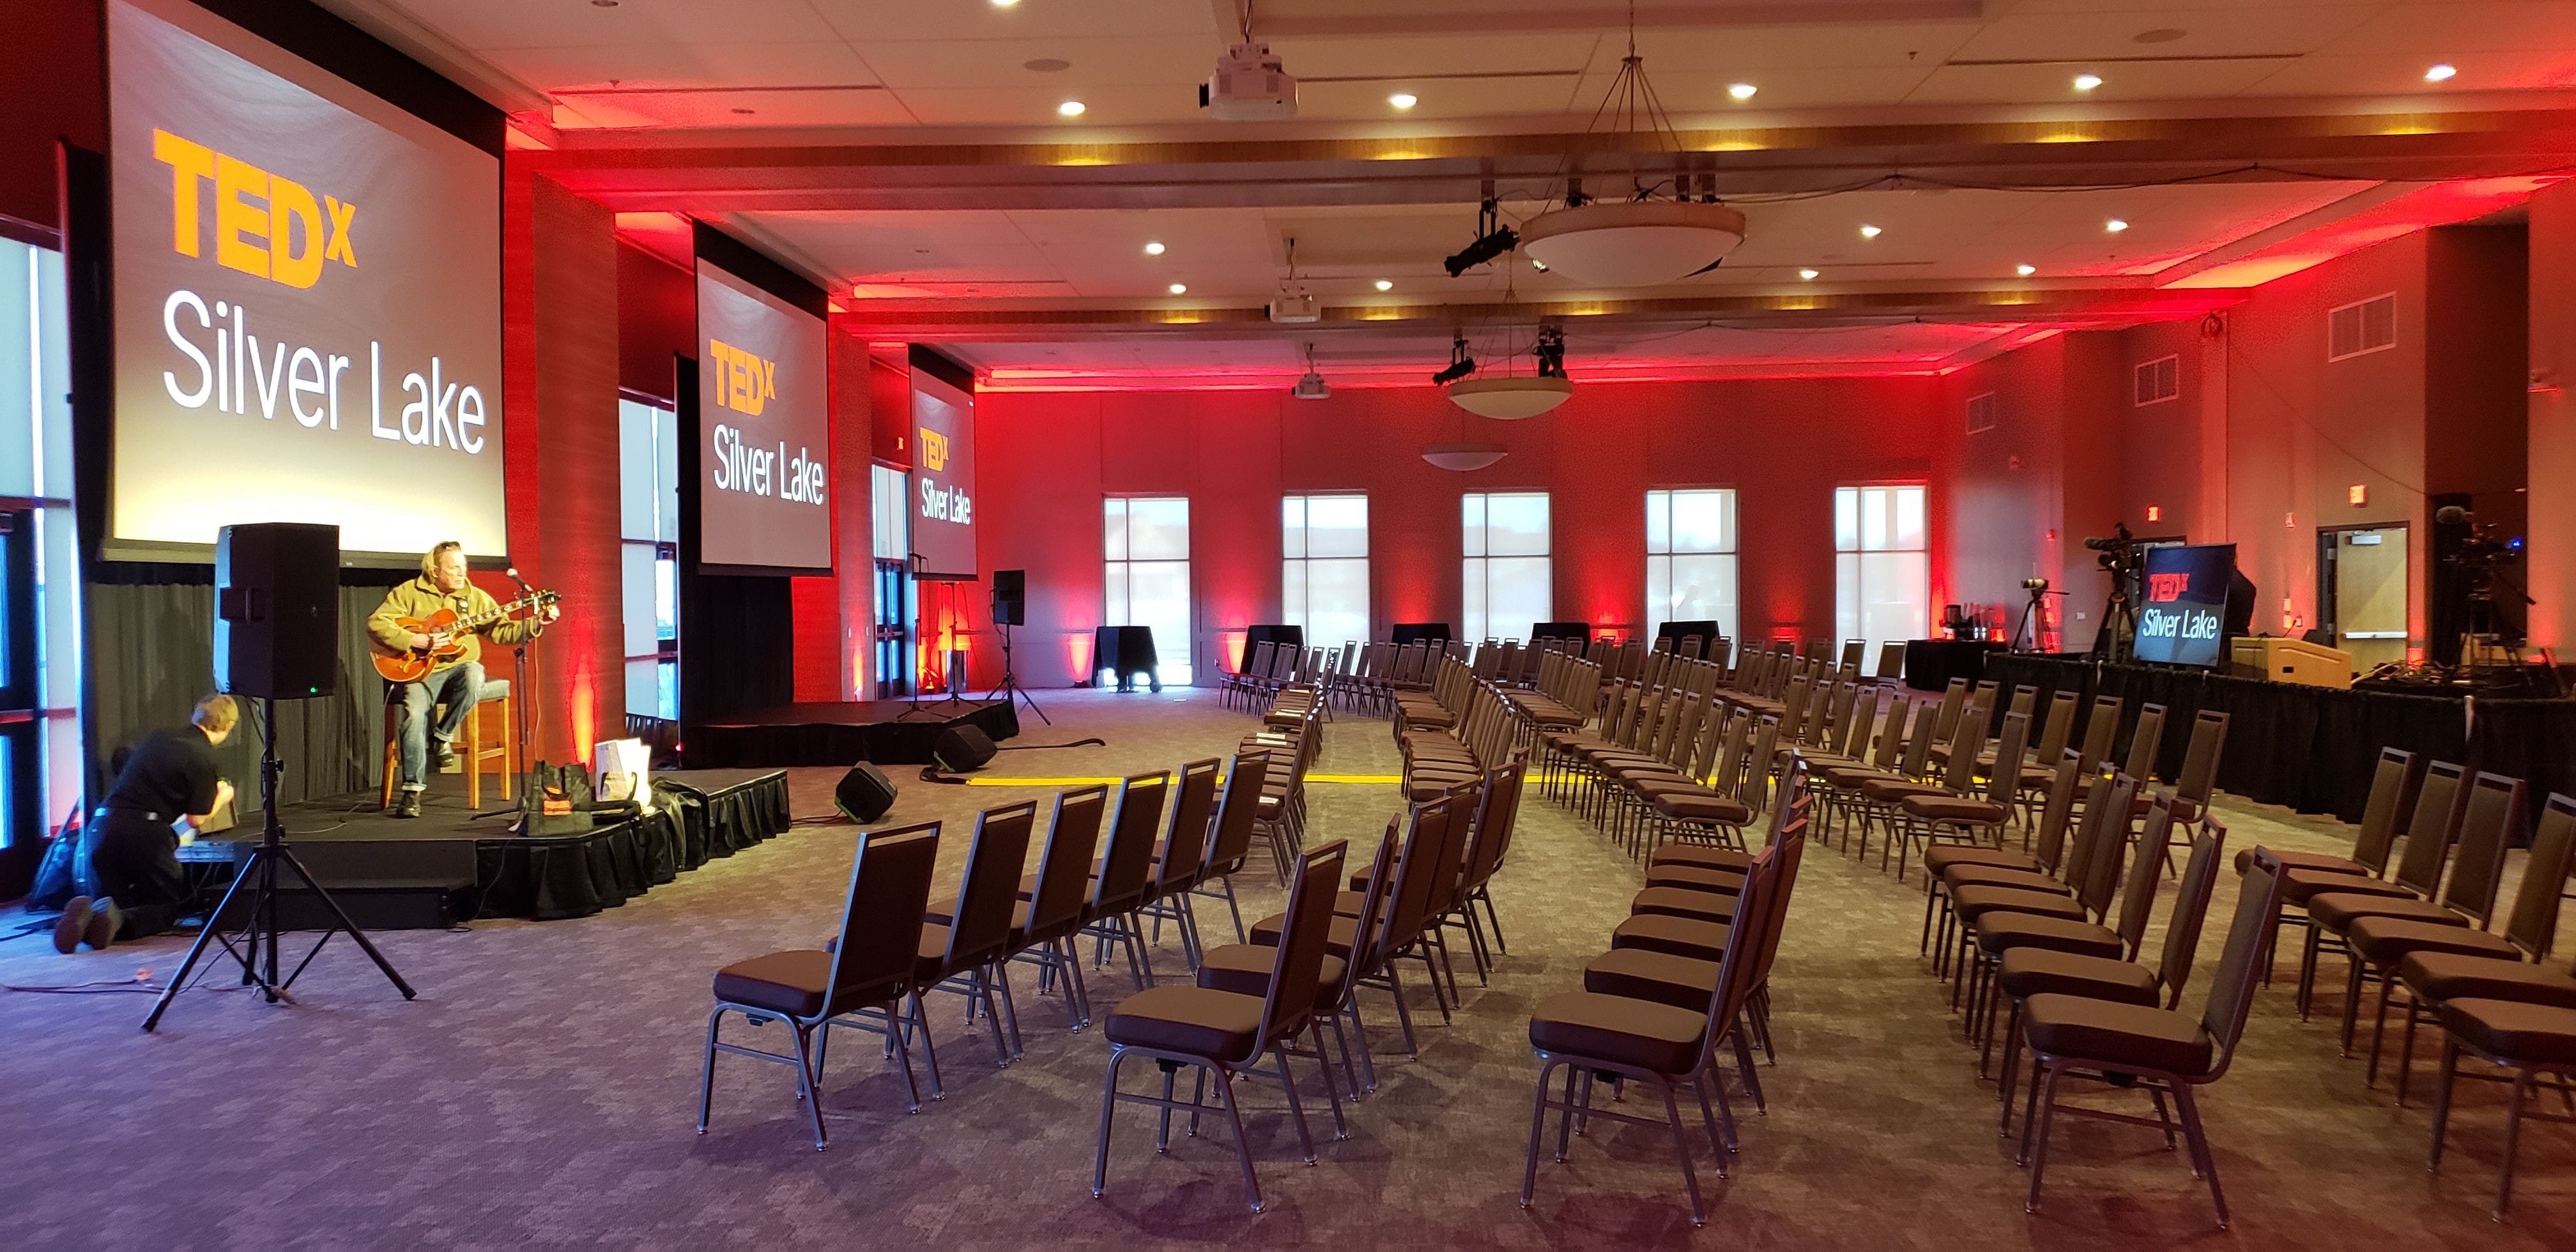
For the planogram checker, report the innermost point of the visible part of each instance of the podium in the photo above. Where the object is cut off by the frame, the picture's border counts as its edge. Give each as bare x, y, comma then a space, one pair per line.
2290, 661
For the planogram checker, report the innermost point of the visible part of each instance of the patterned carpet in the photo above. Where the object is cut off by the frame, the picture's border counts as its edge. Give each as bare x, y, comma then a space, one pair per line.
540, 1090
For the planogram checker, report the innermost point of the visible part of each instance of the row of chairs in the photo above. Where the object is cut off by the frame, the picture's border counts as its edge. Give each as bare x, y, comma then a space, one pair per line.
895, 945
2428, 933
1685, 982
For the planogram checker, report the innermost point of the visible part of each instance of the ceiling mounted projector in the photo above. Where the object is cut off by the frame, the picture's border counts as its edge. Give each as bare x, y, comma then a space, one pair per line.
1632, 243
1250, 85
1462, 457
1312, 387
1294, 307
1510, 399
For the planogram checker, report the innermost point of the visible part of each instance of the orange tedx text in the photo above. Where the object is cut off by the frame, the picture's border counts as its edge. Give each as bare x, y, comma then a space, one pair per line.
264, 224
934, 450
745, 382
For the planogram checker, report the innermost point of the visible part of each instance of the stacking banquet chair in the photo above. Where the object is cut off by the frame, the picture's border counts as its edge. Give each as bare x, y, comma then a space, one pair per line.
2527, 1037
869, 969
1713, 869
1182, 858
1701, 929
1125, 873
1244, 968
1236, 689
1044, 927
2163, 1050
965, 949
1230, 838
2434, 977
1432, 830
2303, 874
2486, 825
2431, 823
1225, 1033
2036, 870
1489, 837
1669, 960
1660, 1045
2026, 972
1994, 920
1962, 816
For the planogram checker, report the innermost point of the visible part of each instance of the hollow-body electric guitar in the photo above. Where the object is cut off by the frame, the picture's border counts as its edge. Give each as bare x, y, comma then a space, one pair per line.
412, 666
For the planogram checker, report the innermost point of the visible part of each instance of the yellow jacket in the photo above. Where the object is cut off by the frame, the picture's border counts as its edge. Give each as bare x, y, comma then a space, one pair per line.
419, 597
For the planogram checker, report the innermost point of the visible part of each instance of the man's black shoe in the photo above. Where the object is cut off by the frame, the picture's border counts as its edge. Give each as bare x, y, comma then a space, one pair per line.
408, 805
103, 923
73, 926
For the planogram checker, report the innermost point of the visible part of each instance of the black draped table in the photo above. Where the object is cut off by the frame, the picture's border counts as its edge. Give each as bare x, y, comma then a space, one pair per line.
1125, 651
698, 816
1930, 664
2313, 748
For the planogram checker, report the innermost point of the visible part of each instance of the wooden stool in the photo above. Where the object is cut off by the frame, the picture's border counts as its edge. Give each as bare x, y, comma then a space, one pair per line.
489, 735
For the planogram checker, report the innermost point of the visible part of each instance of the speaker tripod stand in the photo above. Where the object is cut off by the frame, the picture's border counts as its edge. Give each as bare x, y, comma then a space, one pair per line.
1010, 686
260, 929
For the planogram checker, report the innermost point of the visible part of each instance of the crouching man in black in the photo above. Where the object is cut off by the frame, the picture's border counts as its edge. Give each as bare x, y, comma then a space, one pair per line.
134, 852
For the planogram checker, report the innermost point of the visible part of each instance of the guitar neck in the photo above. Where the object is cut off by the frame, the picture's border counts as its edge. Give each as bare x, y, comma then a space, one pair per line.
498, 613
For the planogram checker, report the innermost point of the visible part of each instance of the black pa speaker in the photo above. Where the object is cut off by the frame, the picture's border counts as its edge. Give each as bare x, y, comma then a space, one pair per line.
865, 793
961, 748
277, 610
1010, 597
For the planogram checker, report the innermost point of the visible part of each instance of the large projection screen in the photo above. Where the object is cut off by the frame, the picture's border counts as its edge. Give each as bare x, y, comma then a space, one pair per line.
308, 301
943, 479
764, 429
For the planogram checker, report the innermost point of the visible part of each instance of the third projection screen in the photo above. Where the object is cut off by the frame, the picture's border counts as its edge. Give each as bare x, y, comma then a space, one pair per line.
764, 443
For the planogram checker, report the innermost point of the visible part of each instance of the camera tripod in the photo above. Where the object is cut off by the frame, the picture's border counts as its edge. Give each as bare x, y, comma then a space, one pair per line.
1010, 687
2033, 616
260, 927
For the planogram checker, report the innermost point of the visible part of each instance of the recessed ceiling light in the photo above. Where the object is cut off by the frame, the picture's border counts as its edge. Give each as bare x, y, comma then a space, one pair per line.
2087, 82
1403, 100
1070, 108
1808, 275
1869, 232
1005, 4
1154, 248
1180, 289
1384, 285
2115, 225
2025, 270
2440, 73
1742, 91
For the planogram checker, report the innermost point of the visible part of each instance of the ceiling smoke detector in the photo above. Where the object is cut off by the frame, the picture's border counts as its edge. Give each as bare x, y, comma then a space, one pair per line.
1250, 85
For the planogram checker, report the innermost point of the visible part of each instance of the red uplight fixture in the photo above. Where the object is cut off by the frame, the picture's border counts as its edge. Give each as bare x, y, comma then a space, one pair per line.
2359, 495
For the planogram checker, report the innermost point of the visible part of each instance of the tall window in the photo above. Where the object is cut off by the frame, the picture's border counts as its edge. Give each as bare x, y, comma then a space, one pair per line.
1324, 578
648, 452
1508, 582
1882, 576
1146, 547
40, 633
1690, 559
890, 513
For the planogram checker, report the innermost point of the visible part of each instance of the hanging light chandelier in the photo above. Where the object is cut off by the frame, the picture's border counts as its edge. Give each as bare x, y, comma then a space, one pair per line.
1513, 398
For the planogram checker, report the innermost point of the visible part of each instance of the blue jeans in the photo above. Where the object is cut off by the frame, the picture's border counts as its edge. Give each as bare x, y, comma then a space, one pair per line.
458, 687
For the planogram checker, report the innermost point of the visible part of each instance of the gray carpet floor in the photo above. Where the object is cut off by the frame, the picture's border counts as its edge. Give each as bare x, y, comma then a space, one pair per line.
541, 1089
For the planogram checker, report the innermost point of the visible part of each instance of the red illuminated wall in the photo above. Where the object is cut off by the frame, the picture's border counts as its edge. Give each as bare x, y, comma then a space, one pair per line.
1044, 460
2551, 564
57, 89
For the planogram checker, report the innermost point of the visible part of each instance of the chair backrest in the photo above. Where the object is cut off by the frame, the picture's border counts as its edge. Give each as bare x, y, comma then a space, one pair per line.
1791, 847
1918, 746
2191, 908
2145, 742
1230, 838
979, 928
1891, 733
2049, 846
1259, 665
2487, 825
1735, 967
2101, 726
1891, 661
1757, 766
2138, 897
1130, 861
2059, 728
1417, 877
880, 939
2231, 990
2429, 831
2100, 840
1960, 768
1854, 740
2200, 760
1953, 698
2534, 921
1498, 809
2003, 783
2025, 700
1297, 963
1064, 868
1793, 800
1185, 839
2392, 797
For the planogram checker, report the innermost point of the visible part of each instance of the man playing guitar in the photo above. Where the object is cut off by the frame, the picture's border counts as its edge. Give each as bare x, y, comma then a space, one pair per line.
456, 670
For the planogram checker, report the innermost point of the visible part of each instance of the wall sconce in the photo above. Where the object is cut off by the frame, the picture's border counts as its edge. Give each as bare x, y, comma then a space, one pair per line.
2544, 381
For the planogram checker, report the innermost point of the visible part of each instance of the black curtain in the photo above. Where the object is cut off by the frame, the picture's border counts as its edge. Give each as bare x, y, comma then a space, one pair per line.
152, 656
737, 645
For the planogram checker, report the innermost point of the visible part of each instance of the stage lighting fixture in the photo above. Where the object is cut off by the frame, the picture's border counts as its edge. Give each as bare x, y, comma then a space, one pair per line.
1550, 352
1493, 239
1460, 364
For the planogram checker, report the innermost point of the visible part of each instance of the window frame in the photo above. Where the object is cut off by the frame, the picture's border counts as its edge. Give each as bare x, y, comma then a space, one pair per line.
1114, 614
1658, 609
1476, 562
1296, 569
1850, 614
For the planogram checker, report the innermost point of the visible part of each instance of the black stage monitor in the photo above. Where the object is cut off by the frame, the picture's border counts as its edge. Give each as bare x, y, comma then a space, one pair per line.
1010, 597
2182, 619
277, 610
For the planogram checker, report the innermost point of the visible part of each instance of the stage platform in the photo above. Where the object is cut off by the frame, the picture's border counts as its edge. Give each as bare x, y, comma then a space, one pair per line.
452, 864
885, 732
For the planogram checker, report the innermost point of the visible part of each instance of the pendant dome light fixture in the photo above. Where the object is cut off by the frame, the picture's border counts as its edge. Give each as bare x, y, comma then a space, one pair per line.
1512, 398
1460, 455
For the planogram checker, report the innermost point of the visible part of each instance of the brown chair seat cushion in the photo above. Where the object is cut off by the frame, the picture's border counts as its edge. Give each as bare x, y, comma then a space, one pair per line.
791, 983
1848, 777
1698, 854
1975, 902
1647, 771
1718, 810
1891, 789
2539, 1033
1680, 936
1680, 981
1699, 906
1724, 879
1019, 912
2026, 972
1945, 808
1338, 942
2002, 932
1957, 876
2317, 861
2388, 940
2439, 976
2337, 911
2129, 1035
1637, 1033
1194, 1021
1244, 969
2299, 886
1941, 856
